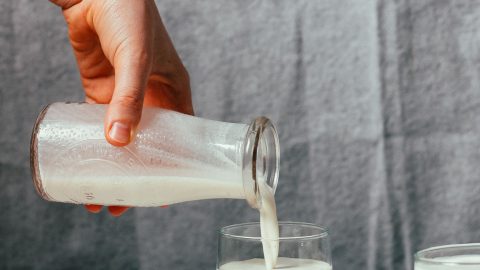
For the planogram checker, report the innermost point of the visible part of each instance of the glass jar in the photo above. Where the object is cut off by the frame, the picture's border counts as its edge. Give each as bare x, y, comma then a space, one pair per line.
174, 158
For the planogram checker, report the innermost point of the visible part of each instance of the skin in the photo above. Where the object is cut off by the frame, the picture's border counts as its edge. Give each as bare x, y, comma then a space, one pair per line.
127, 60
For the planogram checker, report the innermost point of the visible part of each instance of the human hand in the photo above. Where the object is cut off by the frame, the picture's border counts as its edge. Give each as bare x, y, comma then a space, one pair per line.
126, 59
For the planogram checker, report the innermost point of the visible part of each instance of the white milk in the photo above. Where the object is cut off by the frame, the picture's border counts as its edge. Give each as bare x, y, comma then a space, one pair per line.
282, 263
268, 226
174, 158
144, 190
451, 261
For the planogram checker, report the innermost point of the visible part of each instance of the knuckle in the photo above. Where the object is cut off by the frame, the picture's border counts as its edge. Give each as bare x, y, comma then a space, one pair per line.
141, 58
136, 55
133, 100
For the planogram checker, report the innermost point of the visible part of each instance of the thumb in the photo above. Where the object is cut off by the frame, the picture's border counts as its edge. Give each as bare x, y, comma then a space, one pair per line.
125, 109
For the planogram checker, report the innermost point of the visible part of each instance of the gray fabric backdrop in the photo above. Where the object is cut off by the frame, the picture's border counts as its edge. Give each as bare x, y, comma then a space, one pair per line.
377, 105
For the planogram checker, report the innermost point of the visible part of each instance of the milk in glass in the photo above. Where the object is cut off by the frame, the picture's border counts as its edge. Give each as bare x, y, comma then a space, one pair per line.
458, 262
282, 263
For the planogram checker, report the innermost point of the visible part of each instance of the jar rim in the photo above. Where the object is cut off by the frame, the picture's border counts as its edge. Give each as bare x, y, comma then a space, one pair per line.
261, 130
34, 166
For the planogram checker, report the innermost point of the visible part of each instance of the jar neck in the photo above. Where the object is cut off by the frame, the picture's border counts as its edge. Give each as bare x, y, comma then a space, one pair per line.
261, 159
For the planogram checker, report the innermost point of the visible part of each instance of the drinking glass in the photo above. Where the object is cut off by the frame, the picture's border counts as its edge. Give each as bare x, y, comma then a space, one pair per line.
301, 246
450, 257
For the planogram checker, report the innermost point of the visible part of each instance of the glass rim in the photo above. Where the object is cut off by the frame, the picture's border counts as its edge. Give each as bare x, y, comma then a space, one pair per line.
420, 255
322, 234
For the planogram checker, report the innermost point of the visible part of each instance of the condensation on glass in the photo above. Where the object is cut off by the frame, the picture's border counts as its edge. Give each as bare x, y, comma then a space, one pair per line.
174, 158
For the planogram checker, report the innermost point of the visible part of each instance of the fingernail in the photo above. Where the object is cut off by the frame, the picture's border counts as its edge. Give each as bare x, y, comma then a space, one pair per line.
120, 132
93, 208
117, 211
